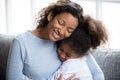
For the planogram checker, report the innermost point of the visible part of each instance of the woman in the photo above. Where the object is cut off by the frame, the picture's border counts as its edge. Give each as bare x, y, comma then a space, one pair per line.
33, 54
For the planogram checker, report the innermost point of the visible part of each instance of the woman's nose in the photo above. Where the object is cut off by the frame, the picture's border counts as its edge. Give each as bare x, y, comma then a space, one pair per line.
62, 32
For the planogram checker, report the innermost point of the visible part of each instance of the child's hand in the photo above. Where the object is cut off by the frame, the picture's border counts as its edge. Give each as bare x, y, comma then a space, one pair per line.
69, 78
60, 77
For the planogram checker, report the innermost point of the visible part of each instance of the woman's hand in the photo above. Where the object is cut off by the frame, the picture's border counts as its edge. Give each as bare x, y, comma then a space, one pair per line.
69, 78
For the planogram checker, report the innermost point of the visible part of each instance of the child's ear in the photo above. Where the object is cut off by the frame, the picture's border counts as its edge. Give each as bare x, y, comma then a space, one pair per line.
49, 17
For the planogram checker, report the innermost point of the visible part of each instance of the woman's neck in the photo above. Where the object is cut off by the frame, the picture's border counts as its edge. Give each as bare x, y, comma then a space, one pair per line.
41, 33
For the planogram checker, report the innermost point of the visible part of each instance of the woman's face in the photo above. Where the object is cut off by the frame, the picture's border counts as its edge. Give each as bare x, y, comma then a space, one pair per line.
61, 26
66, 52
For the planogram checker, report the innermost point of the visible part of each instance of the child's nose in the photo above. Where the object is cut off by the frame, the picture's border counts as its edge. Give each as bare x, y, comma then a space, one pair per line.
63, 58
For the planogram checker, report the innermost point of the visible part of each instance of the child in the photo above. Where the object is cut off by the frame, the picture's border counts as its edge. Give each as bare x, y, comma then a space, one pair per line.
73, 51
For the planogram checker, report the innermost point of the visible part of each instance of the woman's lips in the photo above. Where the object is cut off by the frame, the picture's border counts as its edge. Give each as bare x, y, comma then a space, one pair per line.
56, 35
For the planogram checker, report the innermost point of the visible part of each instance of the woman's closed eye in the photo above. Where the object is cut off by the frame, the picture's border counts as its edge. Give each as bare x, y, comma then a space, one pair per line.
70, 30
61, 22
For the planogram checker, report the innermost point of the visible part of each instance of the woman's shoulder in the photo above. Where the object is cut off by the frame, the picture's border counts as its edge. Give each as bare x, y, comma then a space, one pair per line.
21, 37
24, 36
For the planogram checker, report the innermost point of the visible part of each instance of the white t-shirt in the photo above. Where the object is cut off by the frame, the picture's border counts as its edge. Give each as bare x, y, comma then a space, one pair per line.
71, 66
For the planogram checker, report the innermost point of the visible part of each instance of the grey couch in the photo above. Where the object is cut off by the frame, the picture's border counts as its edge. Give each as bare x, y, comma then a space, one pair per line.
109, 60
5, 41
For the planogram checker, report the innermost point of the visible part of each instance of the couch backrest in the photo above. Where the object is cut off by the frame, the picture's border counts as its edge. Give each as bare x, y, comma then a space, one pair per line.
5, 41
109, 61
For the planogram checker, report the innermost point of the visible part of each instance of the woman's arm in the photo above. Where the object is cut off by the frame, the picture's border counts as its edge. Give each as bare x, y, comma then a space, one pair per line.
94, 68
16, 62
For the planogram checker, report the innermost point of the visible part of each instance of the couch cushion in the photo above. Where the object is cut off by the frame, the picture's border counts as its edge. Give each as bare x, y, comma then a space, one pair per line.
5, 41
109, 61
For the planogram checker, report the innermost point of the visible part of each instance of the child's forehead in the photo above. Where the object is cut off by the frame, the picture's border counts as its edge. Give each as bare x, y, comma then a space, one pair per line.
67, 46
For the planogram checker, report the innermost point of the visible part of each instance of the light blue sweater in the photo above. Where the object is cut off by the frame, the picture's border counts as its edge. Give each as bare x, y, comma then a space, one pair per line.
32, 58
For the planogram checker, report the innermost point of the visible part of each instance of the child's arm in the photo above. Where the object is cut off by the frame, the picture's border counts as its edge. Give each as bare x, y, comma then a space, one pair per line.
63, 72
94, 68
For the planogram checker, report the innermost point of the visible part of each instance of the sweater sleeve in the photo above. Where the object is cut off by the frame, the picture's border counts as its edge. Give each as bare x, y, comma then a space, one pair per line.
62, 69
16, 62
94, 68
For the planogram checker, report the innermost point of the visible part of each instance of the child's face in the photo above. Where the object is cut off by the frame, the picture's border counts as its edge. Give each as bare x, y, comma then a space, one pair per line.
65, 52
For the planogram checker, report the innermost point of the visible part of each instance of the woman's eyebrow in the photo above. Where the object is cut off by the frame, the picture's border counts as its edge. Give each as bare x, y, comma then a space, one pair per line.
62, 19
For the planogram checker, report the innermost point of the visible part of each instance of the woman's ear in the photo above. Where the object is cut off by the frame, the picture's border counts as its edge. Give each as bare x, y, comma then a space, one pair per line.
49, 17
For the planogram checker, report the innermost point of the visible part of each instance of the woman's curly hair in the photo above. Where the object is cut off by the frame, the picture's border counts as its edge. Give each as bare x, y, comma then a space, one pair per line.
57, 8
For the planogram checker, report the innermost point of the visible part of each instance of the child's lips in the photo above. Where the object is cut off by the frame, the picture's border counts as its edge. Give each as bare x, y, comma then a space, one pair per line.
62, 59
